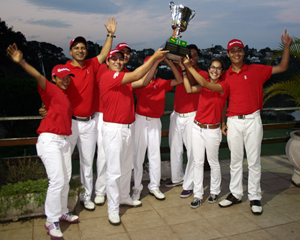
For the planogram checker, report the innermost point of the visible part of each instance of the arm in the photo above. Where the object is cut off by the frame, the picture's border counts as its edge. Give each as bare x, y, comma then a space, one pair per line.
178, 77
111, 29
17, 56
142, 70
201, 80
283, 66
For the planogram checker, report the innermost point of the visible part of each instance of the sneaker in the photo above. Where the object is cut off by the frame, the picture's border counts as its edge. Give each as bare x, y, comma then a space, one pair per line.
171, 184
89, 205
99, 199
229, 201
157, 194
186, 193
196, 202
256, 207
114, 218
53, 229
131, 203
69, 217
212, 198
136, 195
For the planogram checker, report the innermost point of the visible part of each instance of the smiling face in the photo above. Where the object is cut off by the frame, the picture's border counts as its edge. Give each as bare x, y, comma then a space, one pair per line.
78, 51
62, 83
236, 55
215, 71
116, 63
126, 51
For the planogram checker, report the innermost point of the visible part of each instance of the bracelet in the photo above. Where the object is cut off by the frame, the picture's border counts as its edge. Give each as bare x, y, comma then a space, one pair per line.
23, 61
111, 35
184, 70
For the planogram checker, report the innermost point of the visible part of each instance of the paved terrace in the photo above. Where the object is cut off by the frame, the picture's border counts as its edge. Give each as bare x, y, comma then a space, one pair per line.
174, 219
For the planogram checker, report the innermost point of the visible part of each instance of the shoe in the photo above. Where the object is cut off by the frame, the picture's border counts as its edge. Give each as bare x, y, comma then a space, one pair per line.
157, 194
114, 218
132, 203
136, 194
229, 201
256, 207
69, 217
196, 202
99, 200
171, 184
213, 198
53, 229
186, 193
89, 205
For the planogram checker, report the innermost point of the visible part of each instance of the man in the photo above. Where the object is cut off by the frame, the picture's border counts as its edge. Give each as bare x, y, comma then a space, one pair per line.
100, 190
81, 95
180, 131
118, 116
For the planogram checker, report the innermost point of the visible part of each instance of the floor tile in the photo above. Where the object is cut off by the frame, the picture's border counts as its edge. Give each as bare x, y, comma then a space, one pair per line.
164, 233
257, 235
290, 231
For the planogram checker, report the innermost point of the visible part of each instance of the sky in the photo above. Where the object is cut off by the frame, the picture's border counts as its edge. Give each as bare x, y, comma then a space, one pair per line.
147, 23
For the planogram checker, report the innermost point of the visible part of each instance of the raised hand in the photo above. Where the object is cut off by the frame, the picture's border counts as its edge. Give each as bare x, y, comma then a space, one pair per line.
15, 54
111, 25
160, 54
187, 61
286, 38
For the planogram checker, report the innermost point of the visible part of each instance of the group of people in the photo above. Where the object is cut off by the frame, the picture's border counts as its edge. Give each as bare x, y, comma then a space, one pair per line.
92, 103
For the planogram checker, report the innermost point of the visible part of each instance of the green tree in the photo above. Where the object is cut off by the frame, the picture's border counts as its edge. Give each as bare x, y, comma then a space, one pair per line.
291, 85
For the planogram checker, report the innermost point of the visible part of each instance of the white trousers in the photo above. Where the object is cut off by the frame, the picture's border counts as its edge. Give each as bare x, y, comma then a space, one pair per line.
180, 132
209, 140
245, 132
147, 136
84, 135
101, 162
118, 145
55, 152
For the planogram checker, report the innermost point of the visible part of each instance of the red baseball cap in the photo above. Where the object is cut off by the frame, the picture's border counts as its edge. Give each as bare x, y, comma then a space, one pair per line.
234, 43
61, 71
112, 53
78, 39
120, 46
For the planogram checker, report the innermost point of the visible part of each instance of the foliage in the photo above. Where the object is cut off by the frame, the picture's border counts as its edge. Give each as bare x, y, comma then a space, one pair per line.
291, 85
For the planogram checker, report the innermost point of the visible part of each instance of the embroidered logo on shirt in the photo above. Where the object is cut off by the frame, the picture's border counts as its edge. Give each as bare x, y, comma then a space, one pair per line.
245, 77
87, 71
116, 75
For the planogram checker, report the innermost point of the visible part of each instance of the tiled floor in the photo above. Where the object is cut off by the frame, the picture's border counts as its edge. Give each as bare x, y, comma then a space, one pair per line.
174, 219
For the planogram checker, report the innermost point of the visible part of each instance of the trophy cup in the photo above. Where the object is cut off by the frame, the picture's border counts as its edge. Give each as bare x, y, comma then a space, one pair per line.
181, 16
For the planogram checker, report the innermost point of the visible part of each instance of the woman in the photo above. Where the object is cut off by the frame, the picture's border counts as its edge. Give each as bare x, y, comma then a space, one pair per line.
206, 133
53, 145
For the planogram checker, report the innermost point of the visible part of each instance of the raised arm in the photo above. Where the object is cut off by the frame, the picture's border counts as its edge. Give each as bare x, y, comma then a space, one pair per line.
111, 29
17, 56
142, 70
187, 84
178, 78
201, 80
283, 66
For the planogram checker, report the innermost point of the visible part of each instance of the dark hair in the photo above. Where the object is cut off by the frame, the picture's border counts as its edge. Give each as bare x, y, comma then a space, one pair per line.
216, 59
193, 46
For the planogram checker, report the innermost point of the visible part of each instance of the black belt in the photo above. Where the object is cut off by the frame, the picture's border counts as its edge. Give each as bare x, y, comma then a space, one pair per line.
83, 119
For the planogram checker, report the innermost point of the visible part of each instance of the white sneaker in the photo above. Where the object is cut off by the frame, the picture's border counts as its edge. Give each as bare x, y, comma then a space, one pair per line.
89, 205
132, 203
136, 194
157, 194
114, 218
53, 229
99, 199
69, 217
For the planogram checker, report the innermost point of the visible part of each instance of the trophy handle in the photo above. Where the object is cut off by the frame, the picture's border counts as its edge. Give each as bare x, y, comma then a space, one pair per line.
193, 14
171, 4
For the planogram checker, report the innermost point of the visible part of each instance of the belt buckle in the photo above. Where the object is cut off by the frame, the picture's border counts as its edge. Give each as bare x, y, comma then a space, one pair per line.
241, 116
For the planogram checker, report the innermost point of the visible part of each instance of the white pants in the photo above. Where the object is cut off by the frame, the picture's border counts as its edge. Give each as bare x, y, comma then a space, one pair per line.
101, 162
84, 135
180, 132
118, 146
55, 152
248, 132
147, 136
209, 140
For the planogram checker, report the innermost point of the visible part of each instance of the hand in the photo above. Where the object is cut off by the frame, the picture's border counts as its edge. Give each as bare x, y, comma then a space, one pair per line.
43, 111
286, 38
174, 35
160, 54
180, 63
15, 54
224, 129
111, 25
187, 61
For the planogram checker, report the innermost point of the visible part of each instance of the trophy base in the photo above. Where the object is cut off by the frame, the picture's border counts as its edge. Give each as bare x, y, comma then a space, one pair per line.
176, 50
